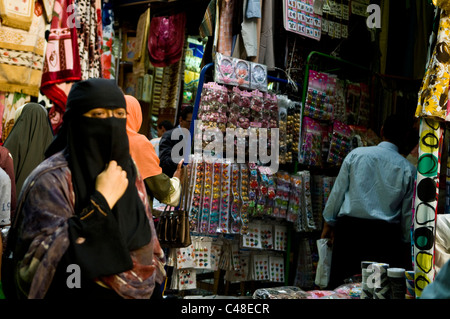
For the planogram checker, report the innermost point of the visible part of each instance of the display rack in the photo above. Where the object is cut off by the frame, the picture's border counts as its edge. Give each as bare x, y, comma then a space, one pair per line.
308, 65
201, 81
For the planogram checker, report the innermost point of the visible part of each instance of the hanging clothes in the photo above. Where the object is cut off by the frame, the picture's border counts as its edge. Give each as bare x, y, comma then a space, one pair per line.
89, 37
266, 49
433, 95
19, 15
62, 60
11, 102
166, 39
207, 26
108, 59
225, 27
22, 55
139, 65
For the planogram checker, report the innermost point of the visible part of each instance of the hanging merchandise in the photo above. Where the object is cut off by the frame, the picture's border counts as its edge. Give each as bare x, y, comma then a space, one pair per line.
10, 103
166, 39
108, 58
318, 104
62, 59
299, 17
311, 149
202, 252
18, 15
425, 202
22, 54
340, 143
433, 94
89, 37
241, 73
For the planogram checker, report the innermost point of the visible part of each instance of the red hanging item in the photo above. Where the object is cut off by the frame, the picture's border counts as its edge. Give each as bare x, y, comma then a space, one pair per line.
166, 39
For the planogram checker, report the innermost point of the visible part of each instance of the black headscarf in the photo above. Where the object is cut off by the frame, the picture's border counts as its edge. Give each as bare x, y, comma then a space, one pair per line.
89, 144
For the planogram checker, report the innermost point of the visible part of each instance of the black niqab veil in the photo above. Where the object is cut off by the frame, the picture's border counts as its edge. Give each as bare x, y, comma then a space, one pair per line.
89, 144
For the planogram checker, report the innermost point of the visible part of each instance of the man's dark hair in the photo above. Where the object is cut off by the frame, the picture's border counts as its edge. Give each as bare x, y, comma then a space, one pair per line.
187, 110
396, 129
166, 124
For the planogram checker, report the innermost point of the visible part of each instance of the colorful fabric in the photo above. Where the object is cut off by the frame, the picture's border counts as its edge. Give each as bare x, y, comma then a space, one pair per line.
443, 4
12, 101
22, 56
433, 95
226, 27
207, 26
141, 149
48, 9
108, 60
166, 39
17, 14
426, 203
89, 37
62, 61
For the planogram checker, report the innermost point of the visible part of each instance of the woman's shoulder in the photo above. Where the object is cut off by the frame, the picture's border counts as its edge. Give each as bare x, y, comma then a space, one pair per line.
55, 166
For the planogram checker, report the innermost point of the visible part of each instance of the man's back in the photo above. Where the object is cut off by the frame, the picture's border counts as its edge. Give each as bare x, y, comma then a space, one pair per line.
374, 183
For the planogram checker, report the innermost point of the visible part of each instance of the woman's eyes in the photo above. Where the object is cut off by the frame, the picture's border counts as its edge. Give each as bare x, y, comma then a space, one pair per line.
99, 113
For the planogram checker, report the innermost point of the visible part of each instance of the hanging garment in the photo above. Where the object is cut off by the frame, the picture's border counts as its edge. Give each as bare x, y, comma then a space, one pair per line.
48, 9
209, 19
22, 56
89, 37
17, 14
225, 40
253, 9
12, 101
433, 95
443, 4
250, 35
266, 51
166, 39
108, 59
62, 60
139, 65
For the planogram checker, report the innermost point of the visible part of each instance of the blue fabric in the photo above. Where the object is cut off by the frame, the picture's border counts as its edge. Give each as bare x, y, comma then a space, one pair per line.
440, 287
253, 9
374, 182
